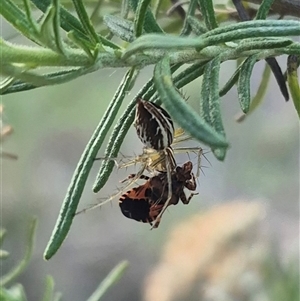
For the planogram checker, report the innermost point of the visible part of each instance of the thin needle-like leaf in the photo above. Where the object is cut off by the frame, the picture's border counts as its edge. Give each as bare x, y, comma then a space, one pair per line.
244, 82
263, 9
140, 15
85, 21
69, 206
293, 80
184, 115
109, 281
210, 102
207, 10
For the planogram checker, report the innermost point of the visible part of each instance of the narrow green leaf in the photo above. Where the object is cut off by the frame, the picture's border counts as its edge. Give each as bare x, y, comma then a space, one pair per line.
121, 28
81, 43
22, 74
187, 27
263, 10
56, 26
263, 43
6, 83
260, 94
85, 21
140, 15
262, 89
71, 23
216, 36
49, 289
49, 79
158, 41
18, 19
264, 25
68, 21
116, 139
293, 80
150, 24
210, 102
231, 82
247, 33
109, 281
30, 18
49, 31
208, 13
196, 26
244, 82
182, 113
189, 74
16, 271
69, 206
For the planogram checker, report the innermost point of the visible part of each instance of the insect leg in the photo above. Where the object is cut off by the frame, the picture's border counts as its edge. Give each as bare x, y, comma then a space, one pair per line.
170, 164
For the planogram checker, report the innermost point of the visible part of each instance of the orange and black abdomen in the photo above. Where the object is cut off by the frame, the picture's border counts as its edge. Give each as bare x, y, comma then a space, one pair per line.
135, 204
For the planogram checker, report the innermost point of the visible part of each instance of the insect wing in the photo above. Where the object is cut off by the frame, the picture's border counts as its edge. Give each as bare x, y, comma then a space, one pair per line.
135, 203
154, 125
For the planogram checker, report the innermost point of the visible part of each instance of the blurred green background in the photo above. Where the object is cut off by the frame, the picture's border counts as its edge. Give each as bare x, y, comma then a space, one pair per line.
51, 128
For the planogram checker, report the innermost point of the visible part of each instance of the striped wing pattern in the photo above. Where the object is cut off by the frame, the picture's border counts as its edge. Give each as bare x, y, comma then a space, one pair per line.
154, 125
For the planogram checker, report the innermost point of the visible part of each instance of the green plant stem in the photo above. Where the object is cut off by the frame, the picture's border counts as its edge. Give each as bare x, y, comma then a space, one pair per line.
109, 281
36, 56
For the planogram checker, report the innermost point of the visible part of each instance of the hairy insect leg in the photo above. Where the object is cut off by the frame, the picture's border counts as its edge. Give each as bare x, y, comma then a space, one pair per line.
197, 150
137, 176
186, 200
170, 164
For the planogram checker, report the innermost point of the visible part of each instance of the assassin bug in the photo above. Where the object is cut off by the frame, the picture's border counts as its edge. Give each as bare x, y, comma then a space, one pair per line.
146, 203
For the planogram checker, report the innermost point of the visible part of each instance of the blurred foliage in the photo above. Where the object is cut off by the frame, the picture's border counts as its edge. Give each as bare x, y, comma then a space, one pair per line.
68, 41
16, 292
6, 131
222, 255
